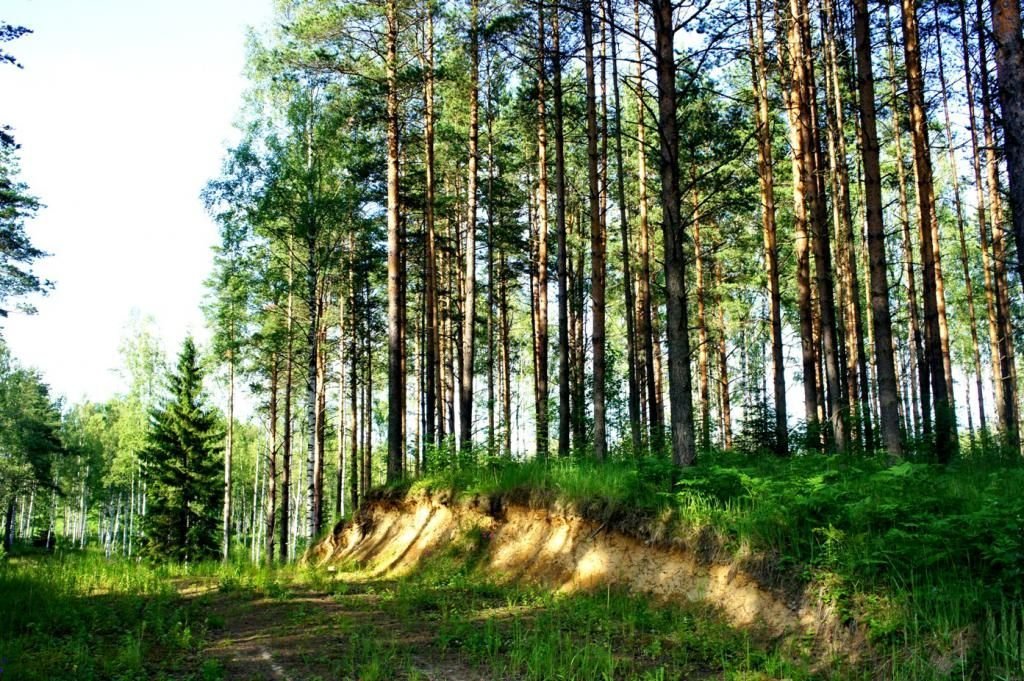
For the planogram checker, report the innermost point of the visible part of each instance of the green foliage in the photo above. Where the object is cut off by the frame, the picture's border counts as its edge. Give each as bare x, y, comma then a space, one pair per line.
182, 464
17, 254
30, 440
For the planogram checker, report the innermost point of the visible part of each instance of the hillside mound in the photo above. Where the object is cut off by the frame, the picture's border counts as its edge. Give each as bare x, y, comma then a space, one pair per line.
560, 549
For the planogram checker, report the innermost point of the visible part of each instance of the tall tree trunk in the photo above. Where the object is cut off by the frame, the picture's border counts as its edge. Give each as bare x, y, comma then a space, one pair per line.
858, 390
353, 403
469, 277
577, 279
541, 388
979, 183
627, 277
564, 423
1008, 415
799, 124
287, 444
597, 241
396, 372
491, 399
723, 362
704, 376
646, 326
945, 439
918, 362
433, 359
366, 472
339, 495
837, 407
228, 451
766, 184
680, 395
884, 364
972, 316
311, 230
271, 493
506, 357
1009, 44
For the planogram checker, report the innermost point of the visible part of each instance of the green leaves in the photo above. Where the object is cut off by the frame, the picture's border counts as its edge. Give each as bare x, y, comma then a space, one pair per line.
29, 429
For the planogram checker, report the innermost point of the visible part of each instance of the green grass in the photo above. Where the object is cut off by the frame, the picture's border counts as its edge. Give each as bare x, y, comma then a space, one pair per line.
927, 558
84, 617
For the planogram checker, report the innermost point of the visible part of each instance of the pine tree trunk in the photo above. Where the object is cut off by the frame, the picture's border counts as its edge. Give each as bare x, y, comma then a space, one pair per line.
353, 403
577, 323
506, 357
320, 424
830, 344
918, 363
627, 277
1009, 47
541, 388
228, 450
857, 390
433, 359
799, 114
366, 472
469, 276
704, 376
723, 363
766, 183
972, 316
396, 372
884, 364
564, 421
646, 326
680, 396
491, 398
983, 214
270, 516
945, 440
597, 240
1008, 415
287, 443
339, 492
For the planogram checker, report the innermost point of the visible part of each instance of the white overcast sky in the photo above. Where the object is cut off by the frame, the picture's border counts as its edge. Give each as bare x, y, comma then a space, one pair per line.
123, 111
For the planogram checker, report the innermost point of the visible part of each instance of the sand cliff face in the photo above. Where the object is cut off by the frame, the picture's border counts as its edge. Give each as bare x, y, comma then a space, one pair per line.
569, 553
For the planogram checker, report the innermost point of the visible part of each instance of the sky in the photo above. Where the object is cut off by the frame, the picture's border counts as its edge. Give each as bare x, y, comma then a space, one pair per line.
123, 110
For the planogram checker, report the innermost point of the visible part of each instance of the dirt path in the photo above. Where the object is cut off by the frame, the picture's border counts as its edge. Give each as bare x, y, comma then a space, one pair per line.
305, 635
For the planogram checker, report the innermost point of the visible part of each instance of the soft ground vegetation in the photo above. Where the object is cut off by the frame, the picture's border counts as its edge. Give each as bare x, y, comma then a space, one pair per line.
923, 558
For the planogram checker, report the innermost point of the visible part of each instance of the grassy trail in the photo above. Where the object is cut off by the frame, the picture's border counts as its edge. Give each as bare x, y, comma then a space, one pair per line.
80, 616
342, 633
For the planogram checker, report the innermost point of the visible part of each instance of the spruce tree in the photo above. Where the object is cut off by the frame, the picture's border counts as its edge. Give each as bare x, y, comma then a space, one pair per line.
182, 463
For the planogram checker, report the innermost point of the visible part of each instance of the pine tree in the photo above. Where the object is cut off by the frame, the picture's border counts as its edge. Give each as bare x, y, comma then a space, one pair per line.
183, 464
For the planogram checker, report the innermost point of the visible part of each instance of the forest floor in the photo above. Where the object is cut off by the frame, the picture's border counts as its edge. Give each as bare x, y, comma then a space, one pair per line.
81, 616
926, 560
307, 634
443, 623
